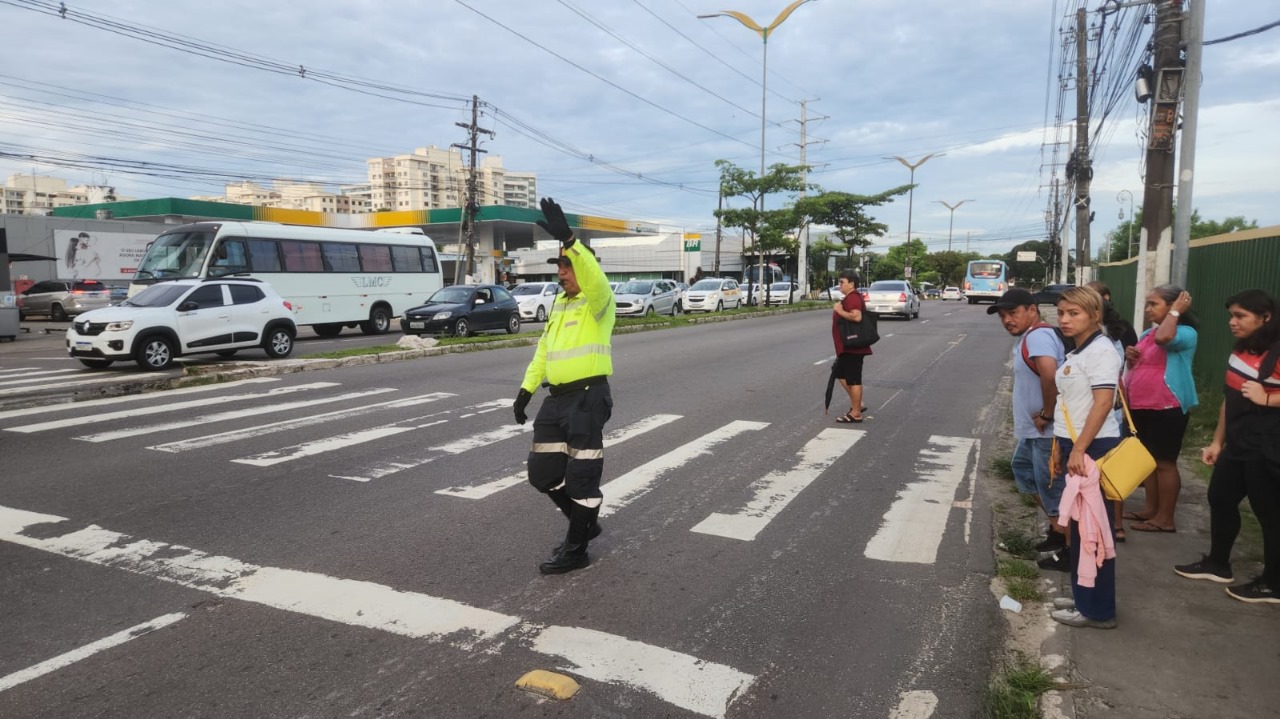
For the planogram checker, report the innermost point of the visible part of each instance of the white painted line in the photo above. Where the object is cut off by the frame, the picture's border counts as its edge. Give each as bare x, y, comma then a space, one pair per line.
824, 361
889, 335
480, 491
924, 322
33, 389
106, 401
915, 705
231, 415
774, 491
15, 370
88, 650
947, 314
160, 409
679, 679
236, 435
913, 527
39, 375
630, 486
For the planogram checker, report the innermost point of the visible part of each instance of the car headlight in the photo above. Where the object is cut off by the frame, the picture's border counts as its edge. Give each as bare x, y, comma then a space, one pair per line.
442, 315
119, 326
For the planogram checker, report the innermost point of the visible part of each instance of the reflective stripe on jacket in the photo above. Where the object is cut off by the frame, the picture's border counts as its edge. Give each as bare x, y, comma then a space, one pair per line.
575, 343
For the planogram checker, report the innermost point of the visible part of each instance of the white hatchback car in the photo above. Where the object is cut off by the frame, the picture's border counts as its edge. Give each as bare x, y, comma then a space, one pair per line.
893, 297
182, 317
952, 293
646, 297
535, 299
783, 293
712, 294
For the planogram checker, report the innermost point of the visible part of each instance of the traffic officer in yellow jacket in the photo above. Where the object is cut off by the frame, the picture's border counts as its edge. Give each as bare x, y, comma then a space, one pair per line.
573, 361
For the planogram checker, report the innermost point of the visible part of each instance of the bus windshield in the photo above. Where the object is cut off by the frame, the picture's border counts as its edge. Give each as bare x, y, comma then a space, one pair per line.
176, 254
986, 269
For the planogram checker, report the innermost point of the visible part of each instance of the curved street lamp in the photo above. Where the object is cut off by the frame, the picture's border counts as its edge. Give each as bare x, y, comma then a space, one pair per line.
953, 217
911, 194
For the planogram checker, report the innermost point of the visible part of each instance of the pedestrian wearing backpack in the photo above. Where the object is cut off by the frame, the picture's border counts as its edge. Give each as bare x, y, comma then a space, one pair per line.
1036, 356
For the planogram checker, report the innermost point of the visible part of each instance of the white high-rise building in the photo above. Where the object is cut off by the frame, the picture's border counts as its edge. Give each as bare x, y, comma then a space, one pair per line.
432, 178
39, 194
291, 195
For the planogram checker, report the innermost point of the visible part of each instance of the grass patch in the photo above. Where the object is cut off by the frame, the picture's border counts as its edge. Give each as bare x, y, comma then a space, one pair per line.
1023, 590
354, 352
1002, 466
1018, 543
1011, 568
1014, 693
485, 339
1028, 500
1021, 580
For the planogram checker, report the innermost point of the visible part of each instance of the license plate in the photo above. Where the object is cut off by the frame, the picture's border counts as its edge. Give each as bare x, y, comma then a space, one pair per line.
417, 325
882, 308
86, 346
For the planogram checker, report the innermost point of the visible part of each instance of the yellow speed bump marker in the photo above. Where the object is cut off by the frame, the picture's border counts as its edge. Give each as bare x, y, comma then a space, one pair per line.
548, 684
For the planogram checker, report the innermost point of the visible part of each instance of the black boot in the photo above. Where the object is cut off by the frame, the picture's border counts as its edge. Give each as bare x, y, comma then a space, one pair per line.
573, 553
561, 498
593, 531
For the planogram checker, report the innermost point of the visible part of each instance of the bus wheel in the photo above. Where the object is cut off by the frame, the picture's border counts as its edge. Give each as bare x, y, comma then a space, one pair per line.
379, 322
326, 330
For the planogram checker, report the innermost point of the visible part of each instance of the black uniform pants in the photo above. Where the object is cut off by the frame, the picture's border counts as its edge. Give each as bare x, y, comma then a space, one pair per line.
568, 443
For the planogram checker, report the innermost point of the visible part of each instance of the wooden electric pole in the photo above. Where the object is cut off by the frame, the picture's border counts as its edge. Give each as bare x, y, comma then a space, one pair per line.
471, 207
1080, 169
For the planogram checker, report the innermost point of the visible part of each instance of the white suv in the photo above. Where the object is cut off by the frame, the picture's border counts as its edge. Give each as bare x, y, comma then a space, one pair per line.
183, 317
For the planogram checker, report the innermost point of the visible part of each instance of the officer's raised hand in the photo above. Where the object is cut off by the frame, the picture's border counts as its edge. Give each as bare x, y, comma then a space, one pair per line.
522, 401
555, 223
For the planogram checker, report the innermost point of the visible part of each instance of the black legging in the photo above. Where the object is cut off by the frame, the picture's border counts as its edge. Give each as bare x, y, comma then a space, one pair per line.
1232, 481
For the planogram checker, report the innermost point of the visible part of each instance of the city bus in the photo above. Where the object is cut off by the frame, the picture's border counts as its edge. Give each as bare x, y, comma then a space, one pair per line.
333, 278
985, 280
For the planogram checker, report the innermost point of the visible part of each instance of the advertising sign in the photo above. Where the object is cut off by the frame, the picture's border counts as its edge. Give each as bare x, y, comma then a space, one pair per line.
99, 255
1027, 256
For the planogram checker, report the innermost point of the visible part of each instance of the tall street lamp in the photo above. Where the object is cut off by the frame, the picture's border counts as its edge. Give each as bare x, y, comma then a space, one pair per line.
952, 226
1129, 241
764, 33
911, 194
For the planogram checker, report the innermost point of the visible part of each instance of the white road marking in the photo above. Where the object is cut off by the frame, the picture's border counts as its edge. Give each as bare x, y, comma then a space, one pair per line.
32, 389
15, 370
774, 491
160, 409
231, 415
824, 361
236, 435
679, 679
914, 526
924, 322
889, 335
915, 705
39, 375
106, 401
88, 650
480, 491
630, 486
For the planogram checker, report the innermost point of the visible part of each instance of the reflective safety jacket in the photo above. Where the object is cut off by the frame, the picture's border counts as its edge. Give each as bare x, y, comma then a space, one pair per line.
575, 343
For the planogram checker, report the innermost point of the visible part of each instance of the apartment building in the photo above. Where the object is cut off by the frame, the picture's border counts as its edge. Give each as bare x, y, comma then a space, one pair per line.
39, 194
432, 178
291, 195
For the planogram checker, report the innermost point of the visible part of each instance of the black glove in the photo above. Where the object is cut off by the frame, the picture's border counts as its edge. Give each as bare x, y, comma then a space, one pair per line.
522, 401
555, 224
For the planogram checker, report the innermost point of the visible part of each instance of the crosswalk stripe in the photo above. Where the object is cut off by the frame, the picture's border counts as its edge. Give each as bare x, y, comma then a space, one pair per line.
483, 439
107, 401
40, 376
243, 433
480, 491
65, 660
16, 370
680, 679
630, 486
774, 491
228, 416
913, 527
33, 389
162, 408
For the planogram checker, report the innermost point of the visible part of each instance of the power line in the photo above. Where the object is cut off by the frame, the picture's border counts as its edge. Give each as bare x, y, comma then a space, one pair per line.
1246, 33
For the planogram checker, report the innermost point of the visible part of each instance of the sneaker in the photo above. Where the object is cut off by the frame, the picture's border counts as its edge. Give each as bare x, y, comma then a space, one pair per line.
1205, 569
1073, 618
1064, 603
1056, 562
1255, 592
1053, 541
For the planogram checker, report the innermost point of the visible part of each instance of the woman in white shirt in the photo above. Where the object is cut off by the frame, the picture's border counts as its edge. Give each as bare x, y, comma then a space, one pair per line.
1086, 392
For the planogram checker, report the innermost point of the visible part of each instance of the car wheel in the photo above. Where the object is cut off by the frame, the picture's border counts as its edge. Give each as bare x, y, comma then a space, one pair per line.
650, 312
677, 309
96, 363
720, 306
513, 324
462, 328
57, 313
154, 353
541, 315
379, 322
226, 353
279, 343
326, 330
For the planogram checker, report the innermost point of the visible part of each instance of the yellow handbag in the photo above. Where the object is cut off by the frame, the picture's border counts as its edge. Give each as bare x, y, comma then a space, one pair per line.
1124, 468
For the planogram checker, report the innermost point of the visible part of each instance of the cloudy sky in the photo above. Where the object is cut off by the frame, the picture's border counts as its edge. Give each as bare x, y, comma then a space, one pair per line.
622, 107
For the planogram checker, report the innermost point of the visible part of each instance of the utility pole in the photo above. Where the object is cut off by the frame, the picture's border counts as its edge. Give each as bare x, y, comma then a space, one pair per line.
1193, 33
802, 270
1157, 198
719, 208
1081, 167
472, 207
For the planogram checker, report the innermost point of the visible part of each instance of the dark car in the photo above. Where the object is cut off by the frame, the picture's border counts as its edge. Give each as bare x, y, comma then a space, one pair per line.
1050, 293
462, 310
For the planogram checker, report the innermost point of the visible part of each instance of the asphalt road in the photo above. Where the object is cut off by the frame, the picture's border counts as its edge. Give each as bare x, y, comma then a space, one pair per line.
359, 542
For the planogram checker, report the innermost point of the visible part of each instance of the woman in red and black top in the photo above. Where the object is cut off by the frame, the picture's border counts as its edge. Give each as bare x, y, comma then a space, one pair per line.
1244, 453
849, 361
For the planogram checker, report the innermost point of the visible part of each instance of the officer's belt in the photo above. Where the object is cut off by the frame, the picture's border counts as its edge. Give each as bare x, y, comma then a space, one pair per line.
579, 384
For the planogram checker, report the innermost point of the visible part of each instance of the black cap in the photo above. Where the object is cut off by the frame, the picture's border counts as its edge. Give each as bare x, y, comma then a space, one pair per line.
563, 259
1016, 297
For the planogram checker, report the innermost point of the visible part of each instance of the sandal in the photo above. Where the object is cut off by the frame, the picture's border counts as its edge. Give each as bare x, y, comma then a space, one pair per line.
1149, 527
1134, 517
1118, 536
845, 418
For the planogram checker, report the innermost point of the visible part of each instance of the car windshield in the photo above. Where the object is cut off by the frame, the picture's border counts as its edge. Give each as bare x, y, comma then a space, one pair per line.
635, 288
527, 289
450, 296
888, 286
706, 285
176, 254
952, 289
161, 295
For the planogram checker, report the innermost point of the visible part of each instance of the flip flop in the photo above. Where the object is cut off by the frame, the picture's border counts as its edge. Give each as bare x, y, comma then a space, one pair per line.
1118, 536
1134, 517
1149, 527
845, 418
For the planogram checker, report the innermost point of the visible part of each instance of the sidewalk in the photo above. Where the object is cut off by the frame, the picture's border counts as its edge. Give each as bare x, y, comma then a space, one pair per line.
1183, 648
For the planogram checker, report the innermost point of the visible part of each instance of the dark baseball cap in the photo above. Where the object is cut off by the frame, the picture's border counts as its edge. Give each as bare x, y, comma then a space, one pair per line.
564, 260
1016, 297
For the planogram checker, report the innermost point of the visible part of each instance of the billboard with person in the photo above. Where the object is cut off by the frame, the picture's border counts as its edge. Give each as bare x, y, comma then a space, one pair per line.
86, 255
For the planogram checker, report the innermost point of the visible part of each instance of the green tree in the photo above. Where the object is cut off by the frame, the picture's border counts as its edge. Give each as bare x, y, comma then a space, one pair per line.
847, 214
891, 266
1120, 247
950, 266
766, 230
1028, 274
820, 253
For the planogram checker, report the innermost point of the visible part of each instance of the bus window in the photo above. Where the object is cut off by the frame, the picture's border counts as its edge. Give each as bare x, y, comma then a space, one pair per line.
176, 254
406, 259
264, 255
429, 260
302, 256
375, 258
230, 257
339, 257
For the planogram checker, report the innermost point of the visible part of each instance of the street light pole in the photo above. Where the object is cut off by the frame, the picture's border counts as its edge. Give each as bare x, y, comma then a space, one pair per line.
952, 226
911, 196
763, 32
1129, 242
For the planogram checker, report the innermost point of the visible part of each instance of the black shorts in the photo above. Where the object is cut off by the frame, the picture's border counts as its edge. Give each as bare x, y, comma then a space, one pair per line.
1161, 431
849, 368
